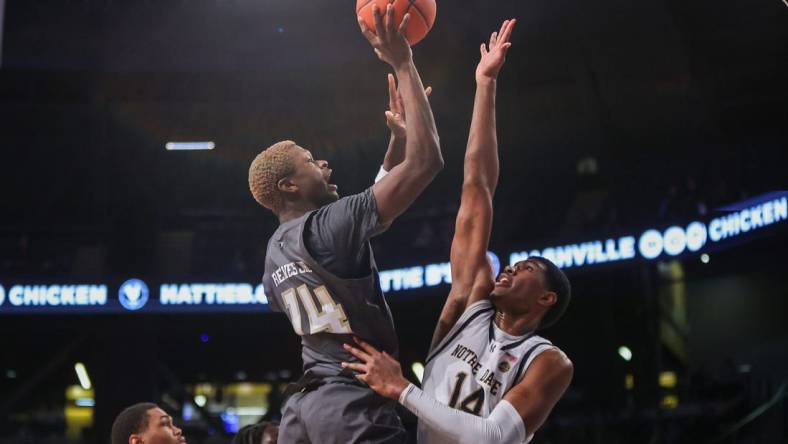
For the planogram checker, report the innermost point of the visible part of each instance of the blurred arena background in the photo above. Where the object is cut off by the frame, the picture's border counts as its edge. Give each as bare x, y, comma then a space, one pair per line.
643, 146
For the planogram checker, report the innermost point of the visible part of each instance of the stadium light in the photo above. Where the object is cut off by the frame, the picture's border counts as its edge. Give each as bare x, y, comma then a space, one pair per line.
704, 258
82, 374
189, 146
625, 353
668, 379
200, 400
418, 370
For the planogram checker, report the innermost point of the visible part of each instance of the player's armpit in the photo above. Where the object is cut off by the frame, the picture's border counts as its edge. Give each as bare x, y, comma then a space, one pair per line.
543, 384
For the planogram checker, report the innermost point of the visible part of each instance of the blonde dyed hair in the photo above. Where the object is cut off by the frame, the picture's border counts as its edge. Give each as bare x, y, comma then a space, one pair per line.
267, 169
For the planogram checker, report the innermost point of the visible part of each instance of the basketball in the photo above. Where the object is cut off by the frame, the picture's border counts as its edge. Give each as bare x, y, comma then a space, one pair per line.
422, 15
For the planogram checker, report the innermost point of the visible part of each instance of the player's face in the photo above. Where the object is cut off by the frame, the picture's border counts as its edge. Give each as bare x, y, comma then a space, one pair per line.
161, 429
312, 177
520, 287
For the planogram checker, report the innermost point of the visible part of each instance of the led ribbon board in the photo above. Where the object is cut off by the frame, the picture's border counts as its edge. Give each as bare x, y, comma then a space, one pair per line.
651, 244
135, 296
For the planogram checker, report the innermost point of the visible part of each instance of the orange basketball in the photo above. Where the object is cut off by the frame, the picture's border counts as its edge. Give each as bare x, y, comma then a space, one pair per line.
422, 15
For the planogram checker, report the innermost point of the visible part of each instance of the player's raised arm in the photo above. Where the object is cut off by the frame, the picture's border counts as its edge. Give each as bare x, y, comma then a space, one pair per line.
396, 121
423, 158
470, 270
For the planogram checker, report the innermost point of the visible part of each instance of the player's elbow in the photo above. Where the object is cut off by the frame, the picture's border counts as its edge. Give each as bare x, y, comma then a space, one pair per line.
434, 160
429, 168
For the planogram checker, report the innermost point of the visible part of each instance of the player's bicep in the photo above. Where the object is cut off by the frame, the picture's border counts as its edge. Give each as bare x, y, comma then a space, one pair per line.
542, 386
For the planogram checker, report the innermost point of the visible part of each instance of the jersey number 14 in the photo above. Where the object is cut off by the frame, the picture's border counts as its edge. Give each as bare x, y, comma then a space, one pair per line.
330, 317
471, 403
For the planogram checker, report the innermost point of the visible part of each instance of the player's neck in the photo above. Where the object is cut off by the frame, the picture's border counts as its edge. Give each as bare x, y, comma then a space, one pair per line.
293, 210
515, 325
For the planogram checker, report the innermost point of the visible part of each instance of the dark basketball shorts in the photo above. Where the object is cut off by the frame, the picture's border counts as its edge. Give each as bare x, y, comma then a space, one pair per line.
340, 411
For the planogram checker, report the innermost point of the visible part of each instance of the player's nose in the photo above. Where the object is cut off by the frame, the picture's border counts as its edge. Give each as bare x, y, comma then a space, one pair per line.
322, 163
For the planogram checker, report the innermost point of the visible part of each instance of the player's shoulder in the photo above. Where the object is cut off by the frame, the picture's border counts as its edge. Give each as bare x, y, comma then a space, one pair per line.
345, 207
480, 305
554, 359
479, 312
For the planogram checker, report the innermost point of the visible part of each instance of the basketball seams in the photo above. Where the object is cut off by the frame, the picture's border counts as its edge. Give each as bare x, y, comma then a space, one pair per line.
359, 8
414, 16
423, 16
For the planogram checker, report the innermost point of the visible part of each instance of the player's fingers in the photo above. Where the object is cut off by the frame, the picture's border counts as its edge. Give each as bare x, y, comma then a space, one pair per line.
493, 39
368, 34
501, 31
367, 348
483, 49
392, 92
356, 352
404, 25
378, 18
355, 367
378, 53
392, 118
400, 104
390, 19
505, 34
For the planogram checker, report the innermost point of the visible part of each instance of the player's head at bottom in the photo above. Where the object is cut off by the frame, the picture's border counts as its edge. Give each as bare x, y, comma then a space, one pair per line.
287, 175
533, 287
145, 423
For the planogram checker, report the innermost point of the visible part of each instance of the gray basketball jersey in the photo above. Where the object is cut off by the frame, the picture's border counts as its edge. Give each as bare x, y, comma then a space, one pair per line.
324, 309
474, 366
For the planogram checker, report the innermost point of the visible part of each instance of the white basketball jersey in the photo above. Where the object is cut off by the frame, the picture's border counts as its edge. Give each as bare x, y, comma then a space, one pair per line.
475, 365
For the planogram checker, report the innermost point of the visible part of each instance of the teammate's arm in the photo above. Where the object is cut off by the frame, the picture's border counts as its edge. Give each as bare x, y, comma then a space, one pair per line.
521, 413
423, 158
395, 120
471, 273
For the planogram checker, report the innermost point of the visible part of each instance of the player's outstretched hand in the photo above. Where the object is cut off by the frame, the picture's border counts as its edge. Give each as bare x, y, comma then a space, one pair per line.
379, 371
395, 116
494, 53
387, 40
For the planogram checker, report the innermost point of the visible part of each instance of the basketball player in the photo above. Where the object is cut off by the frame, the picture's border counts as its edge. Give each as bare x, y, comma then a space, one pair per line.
319, 266
145, 423
489, 377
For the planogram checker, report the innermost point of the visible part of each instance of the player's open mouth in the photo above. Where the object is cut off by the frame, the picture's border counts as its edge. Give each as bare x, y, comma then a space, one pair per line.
503, 281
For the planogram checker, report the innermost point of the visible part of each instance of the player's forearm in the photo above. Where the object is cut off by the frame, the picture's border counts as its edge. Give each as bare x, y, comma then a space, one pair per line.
395, 154
503, 425
422, 146
481, 154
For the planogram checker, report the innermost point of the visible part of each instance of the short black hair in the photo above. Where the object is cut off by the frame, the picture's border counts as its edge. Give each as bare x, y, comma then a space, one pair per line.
131, 420
251, 434
557, 282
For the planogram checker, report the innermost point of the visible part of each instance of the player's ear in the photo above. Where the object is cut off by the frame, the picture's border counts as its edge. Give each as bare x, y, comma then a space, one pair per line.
286, 185
135, 439
548, 298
